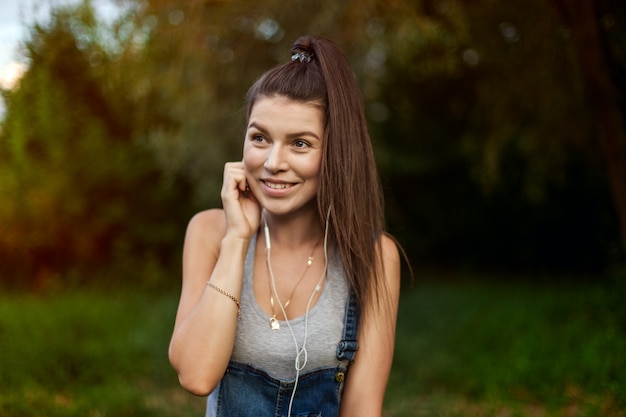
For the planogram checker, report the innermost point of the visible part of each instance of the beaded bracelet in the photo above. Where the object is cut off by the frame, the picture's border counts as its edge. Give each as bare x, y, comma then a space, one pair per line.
232, 297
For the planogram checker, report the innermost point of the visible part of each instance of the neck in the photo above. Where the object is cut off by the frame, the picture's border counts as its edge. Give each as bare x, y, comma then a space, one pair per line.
293, 231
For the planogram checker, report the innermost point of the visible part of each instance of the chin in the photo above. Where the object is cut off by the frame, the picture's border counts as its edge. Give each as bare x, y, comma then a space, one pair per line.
277, 208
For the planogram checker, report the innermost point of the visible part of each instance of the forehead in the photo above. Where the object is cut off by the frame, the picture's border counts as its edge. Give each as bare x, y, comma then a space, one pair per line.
282, 111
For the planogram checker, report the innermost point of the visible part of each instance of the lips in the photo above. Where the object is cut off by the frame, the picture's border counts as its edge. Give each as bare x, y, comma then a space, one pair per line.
277, 188
277, 185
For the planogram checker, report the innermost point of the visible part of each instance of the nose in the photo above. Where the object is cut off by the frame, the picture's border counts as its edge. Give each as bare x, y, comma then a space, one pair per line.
276, 160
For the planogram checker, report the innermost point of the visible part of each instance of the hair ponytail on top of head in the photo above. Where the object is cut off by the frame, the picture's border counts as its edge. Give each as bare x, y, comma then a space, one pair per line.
319, 73
299, 80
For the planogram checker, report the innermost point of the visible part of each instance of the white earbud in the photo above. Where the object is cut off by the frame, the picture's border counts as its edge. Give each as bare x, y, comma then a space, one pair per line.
268, 245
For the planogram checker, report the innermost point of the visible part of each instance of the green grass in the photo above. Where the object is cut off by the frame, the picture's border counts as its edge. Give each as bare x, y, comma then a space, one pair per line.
509, 349
89, 354
463, 349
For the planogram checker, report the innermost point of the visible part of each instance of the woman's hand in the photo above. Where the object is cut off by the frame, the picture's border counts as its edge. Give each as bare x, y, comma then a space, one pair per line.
243, 212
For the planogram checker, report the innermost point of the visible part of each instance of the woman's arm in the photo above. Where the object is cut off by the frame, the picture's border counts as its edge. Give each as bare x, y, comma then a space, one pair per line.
206, 320
215, 247
366, 383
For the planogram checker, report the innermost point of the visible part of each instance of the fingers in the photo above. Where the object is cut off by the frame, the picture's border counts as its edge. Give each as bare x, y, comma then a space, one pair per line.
242, 209
234, 177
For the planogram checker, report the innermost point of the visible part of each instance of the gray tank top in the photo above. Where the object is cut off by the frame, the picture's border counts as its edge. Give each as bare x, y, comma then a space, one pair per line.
274, 351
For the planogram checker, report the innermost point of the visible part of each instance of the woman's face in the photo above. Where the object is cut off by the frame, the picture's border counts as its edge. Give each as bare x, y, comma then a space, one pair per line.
282, 153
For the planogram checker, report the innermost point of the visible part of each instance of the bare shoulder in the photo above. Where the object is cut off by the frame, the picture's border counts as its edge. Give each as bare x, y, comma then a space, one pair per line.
212, 219
206, 228
391, 260
390, 251
390, 254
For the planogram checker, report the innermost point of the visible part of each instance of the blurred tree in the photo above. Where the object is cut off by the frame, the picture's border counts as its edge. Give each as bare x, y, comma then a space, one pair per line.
500, 95
598, 31
479, 104
76, 190
479, 112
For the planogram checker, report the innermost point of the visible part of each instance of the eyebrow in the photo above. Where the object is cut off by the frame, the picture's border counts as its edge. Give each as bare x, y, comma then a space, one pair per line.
291, 135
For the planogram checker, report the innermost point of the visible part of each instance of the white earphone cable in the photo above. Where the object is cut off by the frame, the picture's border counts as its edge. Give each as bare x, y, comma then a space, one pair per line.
300, 351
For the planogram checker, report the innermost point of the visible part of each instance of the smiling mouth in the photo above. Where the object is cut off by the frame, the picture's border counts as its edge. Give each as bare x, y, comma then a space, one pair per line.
277, 186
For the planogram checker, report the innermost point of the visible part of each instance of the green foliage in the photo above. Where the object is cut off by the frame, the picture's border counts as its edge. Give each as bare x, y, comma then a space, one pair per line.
478, 115
77, 186
480, 107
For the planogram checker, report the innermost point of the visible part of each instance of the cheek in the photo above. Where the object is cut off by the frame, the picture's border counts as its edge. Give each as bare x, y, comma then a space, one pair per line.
314, 174
314, 169
252, 158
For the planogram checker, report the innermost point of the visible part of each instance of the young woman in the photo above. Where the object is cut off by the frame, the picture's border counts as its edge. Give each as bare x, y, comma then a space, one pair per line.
290, 292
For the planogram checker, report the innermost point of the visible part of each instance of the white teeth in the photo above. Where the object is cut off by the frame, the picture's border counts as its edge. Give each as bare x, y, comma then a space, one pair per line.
277, 186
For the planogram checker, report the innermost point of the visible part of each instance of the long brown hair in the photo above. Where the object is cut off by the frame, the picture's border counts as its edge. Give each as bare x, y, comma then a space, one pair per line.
349, 184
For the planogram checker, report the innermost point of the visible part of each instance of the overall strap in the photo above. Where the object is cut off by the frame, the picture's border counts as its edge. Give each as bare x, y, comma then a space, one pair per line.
348, 346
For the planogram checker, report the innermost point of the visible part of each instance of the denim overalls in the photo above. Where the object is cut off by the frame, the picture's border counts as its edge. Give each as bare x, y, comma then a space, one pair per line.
248, 391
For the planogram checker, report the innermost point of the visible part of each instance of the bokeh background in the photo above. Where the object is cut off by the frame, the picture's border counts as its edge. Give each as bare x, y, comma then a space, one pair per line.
499, 131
